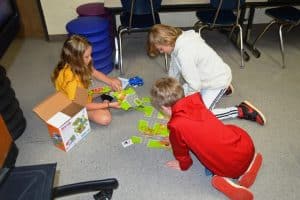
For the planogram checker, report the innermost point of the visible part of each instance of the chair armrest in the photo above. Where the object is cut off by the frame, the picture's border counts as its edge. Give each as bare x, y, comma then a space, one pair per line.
3, 174
82, 187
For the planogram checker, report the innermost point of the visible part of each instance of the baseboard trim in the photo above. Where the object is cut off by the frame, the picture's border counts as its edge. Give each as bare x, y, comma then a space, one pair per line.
58, 37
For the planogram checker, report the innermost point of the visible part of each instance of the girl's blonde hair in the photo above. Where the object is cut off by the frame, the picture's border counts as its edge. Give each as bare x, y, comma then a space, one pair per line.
166, 92
72, 54
161, 34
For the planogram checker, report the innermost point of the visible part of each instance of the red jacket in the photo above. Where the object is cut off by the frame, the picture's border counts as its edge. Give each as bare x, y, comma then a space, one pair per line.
226, 150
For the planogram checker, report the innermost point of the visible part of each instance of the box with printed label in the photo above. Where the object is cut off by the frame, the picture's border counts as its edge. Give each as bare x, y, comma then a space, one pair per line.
67, 120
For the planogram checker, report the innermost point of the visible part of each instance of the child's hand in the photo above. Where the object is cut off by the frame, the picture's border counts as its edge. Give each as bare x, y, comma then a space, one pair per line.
174, 164
114, 105
165, 140
116, 84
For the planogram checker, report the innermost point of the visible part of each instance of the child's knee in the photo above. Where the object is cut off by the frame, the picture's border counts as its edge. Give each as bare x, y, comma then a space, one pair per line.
105, 120
101, 118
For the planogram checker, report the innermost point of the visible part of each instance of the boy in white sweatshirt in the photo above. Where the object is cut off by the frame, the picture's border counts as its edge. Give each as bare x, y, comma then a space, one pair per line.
200, 69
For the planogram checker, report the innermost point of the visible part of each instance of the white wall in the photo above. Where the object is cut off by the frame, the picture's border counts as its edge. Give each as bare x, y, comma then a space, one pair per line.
58, 13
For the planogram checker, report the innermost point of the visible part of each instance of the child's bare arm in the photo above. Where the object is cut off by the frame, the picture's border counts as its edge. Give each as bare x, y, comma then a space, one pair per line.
95, 106
114, 83
103, 105
114, 104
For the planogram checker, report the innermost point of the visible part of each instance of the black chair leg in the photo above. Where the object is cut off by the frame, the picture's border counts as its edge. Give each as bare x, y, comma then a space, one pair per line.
252, 47
104, 195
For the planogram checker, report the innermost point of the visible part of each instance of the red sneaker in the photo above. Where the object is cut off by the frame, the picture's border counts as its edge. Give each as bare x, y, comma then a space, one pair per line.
230, 189
248, 178
247, 111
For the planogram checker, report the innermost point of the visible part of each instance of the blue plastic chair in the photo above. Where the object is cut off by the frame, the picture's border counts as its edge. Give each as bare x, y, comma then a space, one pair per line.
285, 16
136, 16
223, 14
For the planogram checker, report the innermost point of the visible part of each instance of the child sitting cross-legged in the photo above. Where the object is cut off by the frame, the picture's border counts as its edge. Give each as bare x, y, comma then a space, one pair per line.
226, 150
75, 70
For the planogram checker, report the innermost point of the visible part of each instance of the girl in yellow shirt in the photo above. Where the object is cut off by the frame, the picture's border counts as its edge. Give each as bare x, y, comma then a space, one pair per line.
75, 69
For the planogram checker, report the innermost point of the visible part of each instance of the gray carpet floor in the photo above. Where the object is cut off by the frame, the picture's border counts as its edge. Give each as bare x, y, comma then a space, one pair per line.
140, 171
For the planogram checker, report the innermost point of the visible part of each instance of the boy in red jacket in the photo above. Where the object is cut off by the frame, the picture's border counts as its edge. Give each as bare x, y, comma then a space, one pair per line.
226, 150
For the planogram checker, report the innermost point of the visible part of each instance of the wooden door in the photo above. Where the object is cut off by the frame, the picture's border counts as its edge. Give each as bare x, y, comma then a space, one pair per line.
31, 21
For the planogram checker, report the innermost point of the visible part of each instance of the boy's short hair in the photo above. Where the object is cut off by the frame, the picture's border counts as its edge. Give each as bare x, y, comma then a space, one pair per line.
161, 34
166, 92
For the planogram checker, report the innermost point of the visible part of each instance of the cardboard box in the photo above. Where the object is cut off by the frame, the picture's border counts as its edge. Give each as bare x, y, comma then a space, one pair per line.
67, 120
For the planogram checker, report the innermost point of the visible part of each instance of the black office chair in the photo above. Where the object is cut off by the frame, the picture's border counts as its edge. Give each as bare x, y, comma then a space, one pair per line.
223, 14
9, 23
35, 182
286, 17
137, 16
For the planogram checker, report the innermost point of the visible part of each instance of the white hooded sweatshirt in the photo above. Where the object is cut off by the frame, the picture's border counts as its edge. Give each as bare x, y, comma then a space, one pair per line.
197, 64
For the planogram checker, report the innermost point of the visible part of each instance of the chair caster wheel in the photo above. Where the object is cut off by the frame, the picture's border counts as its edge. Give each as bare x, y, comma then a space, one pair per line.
256, 53
246, 56
103, 195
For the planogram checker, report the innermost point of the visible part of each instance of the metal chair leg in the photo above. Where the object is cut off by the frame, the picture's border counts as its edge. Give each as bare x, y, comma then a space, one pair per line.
166, 63
281, 45
231, 32
199, 26
254, 51
120, 51
239, 40
241, 46
152, 11
116, 59
291, 26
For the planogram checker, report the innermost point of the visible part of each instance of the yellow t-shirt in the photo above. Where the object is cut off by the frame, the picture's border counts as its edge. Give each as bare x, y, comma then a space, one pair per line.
67, 82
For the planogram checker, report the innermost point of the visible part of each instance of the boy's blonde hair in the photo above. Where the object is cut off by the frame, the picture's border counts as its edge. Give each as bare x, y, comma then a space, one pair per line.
161, 34
166, 92
72, 54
